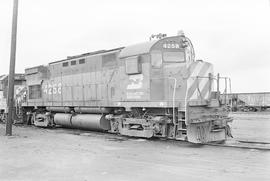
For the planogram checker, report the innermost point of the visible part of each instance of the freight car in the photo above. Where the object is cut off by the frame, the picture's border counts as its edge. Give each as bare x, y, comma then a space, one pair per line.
150, 89
259, 101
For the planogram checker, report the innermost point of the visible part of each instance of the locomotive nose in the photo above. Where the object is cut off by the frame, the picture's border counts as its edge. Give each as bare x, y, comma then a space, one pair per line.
199, 81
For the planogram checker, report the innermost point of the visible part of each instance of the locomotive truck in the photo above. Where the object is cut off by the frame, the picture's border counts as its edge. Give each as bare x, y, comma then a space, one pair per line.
150, 89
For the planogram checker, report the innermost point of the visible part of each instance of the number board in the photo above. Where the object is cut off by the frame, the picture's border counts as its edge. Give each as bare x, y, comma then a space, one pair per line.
55, 88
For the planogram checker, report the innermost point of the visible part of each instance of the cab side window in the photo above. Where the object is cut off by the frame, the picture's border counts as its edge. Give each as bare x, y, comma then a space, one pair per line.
133, 65
34, 91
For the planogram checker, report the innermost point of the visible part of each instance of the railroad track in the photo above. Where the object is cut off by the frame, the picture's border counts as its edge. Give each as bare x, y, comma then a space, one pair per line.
244, 144
234, 143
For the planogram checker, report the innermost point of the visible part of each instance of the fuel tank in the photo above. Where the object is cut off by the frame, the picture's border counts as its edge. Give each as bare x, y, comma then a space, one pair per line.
63, 119
96, 122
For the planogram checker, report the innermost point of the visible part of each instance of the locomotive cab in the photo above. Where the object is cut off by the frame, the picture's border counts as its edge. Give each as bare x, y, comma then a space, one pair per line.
153, 68
169, 59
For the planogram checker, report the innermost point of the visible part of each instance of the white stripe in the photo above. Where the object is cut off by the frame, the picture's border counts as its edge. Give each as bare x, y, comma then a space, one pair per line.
197, 69
206, 95
190, 81
203, 82
192, 77
195, 95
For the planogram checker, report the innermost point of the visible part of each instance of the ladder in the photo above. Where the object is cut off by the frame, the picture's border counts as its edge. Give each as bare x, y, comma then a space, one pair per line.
181, 129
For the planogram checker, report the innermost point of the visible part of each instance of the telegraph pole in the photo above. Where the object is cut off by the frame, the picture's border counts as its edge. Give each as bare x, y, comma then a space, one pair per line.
12, 70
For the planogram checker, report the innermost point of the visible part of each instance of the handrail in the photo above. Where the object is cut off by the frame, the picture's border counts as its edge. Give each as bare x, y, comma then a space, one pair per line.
227, 83
174, 89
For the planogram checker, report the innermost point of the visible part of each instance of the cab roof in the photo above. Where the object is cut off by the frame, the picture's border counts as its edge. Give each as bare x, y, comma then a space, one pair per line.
137, 49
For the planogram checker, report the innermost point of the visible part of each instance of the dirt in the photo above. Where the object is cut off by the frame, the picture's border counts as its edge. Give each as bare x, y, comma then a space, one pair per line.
64, 154
251, 126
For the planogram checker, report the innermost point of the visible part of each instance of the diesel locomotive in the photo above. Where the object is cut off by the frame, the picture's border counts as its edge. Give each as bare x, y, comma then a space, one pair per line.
150, 89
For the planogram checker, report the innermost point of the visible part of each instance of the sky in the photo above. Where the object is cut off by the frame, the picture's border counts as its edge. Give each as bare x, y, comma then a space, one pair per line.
233, 35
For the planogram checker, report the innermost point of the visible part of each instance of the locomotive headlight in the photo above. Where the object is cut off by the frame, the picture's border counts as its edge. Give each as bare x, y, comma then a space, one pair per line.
180, 33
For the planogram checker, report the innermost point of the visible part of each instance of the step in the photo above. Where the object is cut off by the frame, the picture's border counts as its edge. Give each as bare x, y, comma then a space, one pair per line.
182, 138
182, 129
182, 120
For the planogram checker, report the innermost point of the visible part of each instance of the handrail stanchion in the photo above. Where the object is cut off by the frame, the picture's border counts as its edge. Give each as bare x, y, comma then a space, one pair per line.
174, 89
218, 93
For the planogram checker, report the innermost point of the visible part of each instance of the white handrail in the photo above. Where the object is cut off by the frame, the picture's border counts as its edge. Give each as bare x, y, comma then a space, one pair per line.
174, 89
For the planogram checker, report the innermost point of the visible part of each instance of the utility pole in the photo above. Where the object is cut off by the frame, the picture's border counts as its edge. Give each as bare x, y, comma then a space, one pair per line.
12, 70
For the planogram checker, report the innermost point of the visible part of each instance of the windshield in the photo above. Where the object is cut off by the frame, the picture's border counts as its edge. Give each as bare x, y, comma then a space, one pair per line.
174, 57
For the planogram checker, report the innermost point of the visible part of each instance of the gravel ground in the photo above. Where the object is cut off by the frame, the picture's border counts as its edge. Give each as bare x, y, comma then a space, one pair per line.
251, 126
61, 154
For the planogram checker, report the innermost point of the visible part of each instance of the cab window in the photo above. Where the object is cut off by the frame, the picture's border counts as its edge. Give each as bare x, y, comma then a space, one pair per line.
34, 91
174, 57
156, 59
133, 65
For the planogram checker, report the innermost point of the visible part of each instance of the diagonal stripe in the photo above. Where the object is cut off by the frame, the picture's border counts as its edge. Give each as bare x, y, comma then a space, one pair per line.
193, 92
191, 67
197, 69
195, 95
204, 80
193, 72
207, 95
203, 86
205, 90
192, 88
